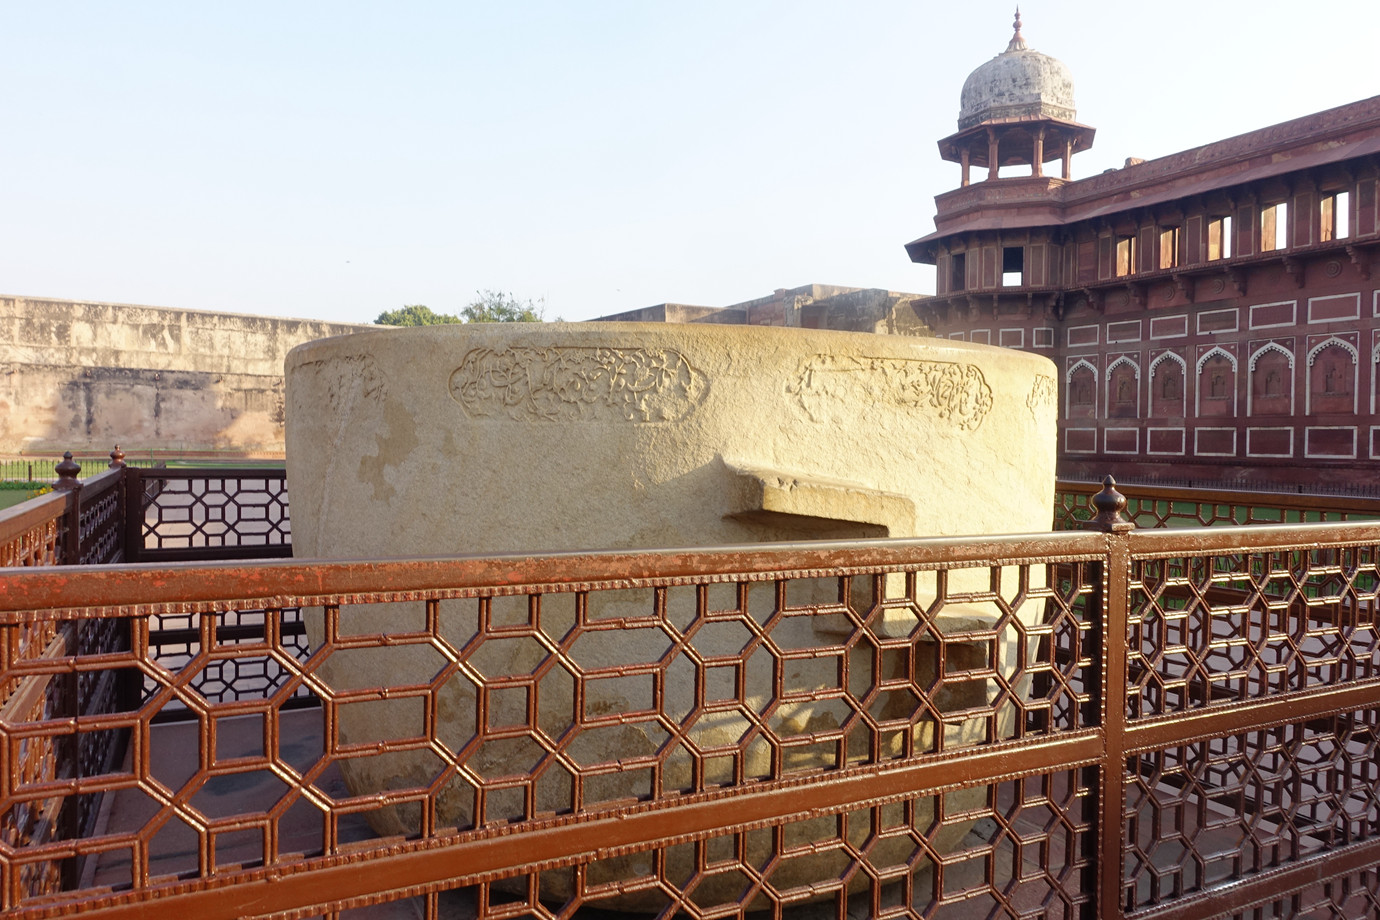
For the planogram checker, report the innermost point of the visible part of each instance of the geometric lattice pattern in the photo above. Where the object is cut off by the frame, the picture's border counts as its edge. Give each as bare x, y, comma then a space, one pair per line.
895, 730
454, 715
1215, 811
190, 509
1213, 630
101, 539
175, 642
1012, 849
35, 545
1345, 898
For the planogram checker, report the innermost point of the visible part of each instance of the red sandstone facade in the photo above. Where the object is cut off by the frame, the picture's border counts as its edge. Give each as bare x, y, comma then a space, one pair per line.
1213, 313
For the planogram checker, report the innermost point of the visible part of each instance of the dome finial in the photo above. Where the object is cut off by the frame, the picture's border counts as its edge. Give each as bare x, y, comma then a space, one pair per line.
1017, 40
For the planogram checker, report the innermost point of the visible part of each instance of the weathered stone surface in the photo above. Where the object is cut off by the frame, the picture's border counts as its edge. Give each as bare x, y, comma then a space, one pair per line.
637, 432
484, 439
77, 375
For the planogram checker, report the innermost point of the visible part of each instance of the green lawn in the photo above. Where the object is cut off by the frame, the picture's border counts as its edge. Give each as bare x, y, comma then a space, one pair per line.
12, 497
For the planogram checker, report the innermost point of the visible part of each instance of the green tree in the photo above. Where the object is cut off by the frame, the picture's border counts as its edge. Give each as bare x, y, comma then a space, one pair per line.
497, 307
415, 315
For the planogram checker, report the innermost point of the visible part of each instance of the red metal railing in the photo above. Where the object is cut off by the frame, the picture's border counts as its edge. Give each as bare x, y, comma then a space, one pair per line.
1157, 723
120, 514
1154, 505
928, 728
206, 514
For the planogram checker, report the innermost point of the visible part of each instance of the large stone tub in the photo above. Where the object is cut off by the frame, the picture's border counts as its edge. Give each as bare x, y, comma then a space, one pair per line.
533, 438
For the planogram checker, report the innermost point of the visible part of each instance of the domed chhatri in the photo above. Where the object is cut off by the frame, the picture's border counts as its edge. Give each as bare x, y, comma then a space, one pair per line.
1017, 84
1017, 110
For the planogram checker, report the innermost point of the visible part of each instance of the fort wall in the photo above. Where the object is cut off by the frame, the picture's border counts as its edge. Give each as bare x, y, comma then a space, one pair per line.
80, 375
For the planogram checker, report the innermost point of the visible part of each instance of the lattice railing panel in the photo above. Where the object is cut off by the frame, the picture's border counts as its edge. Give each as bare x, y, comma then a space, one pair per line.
36, 545
101, 525
176, 639
1216, 811
1015, 849
194, 509
1216, 629
456, 715
1150, 506
40, 761
1344, 898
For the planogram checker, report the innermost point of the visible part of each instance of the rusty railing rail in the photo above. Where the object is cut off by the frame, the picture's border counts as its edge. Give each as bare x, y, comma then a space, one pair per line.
29, 531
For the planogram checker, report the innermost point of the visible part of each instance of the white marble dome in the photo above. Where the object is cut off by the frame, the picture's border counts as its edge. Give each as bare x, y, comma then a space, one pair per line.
1018, 84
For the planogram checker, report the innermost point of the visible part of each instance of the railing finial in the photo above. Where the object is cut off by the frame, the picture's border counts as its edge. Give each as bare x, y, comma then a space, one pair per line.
117, 458
1108, 505
67, 471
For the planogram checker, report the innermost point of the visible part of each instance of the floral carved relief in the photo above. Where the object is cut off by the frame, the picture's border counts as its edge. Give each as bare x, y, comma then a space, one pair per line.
561, 383
956, 393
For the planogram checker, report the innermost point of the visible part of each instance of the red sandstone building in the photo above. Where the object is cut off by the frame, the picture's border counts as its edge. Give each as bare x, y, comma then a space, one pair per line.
1212, 313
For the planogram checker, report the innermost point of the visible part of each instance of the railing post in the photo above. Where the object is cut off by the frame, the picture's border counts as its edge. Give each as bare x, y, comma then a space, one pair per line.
1111, 579
67, 750
117, 462
132, 513
68, 471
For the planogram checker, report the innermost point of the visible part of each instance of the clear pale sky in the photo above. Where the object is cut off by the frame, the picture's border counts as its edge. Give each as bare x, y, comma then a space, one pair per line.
335, 159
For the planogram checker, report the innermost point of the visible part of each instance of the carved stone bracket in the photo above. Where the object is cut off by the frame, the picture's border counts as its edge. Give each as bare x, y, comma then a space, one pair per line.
1184, 285
1360, 259
1096, 300
1295, 269
1238, 280
1137, 294
1054, 306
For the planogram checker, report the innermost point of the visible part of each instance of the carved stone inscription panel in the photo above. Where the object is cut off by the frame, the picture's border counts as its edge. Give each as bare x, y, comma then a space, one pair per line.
564, 383
956, 393
1043, 395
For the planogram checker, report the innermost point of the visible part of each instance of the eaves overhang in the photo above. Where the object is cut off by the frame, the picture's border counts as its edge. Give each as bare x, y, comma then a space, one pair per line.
974, 139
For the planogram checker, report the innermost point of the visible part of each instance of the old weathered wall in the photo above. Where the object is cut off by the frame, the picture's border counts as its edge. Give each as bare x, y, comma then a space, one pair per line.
78, 375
